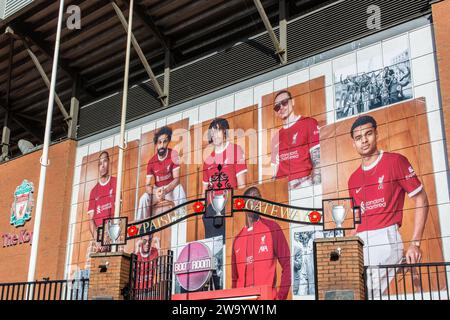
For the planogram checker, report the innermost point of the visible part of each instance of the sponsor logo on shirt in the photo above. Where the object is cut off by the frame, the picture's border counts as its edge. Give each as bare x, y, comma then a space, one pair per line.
162, 178
263, 246
358, 190
289, 155
249, 260
373, 204
101, 208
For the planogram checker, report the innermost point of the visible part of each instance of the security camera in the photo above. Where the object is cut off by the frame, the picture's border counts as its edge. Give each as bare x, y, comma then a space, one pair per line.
104, 266
335, 254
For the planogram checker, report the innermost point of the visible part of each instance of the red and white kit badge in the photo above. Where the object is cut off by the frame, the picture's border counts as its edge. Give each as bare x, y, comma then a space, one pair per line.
23, 204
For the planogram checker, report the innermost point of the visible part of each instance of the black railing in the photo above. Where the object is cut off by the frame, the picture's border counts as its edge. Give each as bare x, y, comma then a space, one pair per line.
76, 289
151, 280
421, 281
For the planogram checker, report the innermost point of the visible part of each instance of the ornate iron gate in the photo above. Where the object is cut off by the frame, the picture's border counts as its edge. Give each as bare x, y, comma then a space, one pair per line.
151, 280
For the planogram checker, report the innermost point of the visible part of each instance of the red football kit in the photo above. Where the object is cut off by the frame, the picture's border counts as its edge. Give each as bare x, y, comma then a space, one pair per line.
291, 148
254, 258
147, 268
162, 169
101, 200
233, 164
380, 188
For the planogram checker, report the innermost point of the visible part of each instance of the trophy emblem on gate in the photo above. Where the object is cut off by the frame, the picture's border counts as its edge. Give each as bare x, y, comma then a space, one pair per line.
23, 204
219, 201
338, 214
114, 231
218, 190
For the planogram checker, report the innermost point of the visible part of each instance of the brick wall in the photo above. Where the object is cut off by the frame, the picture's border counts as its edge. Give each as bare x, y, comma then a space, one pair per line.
441, 24
55, 217
343, 274
106, 285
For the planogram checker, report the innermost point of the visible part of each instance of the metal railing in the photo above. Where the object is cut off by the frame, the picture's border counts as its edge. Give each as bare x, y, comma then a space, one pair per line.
420, 281
76, 289
151, 280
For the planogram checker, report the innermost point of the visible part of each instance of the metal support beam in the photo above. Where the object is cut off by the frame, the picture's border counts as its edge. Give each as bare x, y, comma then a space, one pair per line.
279, 50
283, 29
148, 21
167, 64
31, 129
47, 81
41, 72
17, 118
6, 130
32, 39
148, 69
74, 111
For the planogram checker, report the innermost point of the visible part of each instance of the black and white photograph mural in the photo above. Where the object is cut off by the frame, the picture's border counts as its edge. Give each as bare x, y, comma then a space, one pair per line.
370, 89
303, 260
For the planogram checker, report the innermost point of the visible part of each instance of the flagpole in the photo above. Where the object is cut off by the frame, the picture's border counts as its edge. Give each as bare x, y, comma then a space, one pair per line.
44, 158
117, 205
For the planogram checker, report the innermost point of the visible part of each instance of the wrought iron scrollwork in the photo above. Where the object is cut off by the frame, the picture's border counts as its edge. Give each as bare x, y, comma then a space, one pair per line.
219, 180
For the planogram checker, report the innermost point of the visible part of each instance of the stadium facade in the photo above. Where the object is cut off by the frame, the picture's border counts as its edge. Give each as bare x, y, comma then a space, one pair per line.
282, 126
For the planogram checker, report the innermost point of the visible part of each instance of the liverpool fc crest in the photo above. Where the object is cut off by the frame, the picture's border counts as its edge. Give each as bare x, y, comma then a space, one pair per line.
23, 204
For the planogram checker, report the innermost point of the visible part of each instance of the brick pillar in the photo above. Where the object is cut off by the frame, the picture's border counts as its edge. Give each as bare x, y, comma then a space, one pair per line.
108, 284
342, 278
441, 26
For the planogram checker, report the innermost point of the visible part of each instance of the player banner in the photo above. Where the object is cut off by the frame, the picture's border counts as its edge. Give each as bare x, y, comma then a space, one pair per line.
353, 143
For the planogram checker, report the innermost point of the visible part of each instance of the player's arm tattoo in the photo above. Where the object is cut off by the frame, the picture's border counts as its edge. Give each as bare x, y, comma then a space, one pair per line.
315, 159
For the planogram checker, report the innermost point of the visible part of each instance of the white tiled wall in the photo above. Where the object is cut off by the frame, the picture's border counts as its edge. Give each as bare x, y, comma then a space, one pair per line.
374, 57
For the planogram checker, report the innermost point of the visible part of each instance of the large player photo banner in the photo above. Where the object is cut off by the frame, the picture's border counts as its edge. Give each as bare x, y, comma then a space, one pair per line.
385, 98
360, 121
94, 199
402, 129
163, 179
291, 119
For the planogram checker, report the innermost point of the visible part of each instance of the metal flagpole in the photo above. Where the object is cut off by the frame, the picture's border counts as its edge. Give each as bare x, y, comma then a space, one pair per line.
124, 115
44, 157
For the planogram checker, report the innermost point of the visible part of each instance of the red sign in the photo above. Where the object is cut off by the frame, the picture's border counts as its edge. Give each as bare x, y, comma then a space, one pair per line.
11, 239
315, 217
239, 204
194, 266
132, 231
198, 206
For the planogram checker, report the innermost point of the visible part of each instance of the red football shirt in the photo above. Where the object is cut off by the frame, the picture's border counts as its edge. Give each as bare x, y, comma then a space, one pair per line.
291, 148
147, 269
101, 200
162, 170
254, 258
380, 190
232, 159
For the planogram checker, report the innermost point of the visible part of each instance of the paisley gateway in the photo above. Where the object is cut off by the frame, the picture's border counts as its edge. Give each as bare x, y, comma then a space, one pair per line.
162, 221
275, 210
